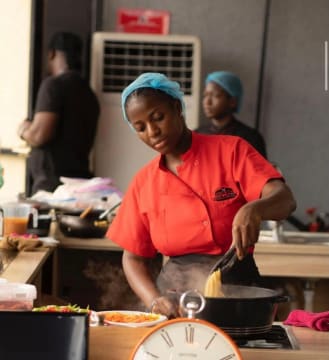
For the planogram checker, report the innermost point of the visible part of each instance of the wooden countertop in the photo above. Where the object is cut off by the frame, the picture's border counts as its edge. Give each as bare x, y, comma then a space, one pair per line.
26, 265
295, 260
261, 247
87, 244
273, 258
117, 343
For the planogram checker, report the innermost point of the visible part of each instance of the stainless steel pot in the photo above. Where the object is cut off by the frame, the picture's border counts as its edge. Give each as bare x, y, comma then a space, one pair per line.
244, 311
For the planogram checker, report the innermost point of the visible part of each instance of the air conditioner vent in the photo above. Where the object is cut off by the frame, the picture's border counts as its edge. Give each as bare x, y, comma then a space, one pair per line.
123, 61
116, 60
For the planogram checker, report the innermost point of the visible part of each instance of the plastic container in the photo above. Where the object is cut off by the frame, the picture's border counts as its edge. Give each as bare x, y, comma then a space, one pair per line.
17, 296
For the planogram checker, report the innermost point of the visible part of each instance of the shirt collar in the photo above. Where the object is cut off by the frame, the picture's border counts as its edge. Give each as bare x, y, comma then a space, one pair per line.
190, 153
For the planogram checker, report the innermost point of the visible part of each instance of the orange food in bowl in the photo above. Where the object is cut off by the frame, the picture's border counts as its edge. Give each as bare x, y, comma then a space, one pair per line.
130, 317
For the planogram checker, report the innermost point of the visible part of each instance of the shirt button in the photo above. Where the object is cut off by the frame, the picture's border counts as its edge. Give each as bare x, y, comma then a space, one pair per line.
205, 222
196, 162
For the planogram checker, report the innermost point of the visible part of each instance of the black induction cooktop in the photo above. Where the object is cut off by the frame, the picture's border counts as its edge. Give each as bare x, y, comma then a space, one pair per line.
279, 337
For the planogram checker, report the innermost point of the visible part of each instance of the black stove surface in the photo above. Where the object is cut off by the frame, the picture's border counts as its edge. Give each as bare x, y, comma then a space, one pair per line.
279, 337
6, 257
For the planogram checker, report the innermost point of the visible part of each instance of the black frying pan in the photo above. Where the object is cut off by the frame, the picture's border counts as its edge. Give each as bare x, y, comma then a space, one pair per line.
71, 224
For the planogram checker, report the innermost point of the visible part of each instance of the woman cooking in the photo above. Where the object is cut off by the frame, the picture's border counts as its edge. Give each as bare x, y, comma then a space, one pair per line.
201, 195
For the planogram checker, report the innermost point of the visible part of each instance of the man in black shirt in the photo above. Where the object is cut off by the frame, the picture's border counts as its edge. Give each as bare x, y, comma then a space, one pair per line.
63, 128
222, 97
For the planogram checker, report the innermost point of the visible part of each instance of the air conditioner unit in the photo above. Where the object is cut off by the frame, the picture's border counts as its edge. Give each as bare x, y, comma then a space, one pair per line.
116, 60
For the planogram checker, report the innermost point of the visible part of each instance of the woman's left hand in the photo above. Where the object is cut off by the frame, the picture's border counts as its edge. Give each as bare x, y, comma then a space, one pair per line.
163, 305
245, 229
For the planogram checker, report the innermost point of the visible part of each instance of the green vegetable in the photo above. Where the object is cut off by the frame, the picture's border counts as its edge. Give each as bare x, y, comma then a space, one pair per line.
62, 308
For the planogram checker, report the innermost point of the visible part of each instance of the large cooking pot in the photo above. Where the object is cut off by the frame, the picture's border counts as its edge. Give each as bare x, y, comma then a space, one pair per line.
71, 224
244, 311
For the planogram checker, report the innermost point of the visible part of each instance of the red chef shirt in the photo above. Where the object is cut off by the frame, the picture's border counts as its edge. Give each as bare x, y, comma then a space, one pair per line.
191, 212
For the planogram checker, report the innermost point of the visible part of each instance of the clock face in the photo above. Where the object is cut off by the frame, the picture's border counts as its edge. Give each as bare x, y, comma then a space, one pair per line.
186, 339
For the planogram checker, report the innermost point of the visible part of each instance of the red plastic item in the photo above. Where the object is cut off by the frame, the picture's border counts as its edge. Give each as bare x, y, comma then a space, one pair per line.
313, 227
143, 21
310, 211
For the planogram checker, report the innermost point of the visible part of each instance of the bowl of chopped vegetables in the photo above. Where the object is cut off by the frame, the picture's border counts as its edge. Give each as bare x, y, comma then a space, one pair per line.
93, 317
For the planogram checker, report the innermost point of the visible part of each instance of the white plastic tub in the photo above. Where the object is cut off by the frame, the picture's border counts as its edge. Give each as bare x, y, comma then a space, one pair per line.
17, 296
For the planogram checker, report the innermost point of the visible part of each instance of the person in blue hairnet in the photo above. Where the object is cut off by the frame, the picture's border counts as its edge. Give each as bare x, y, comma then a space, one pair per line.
222, 99
201, 196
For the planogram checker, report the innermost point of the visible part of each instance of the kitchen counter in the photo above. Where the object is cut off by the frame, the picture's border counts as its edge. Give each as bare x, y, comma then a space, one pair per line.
273, 258
308, 262
293, 260
86, 244
117, 343
27, 265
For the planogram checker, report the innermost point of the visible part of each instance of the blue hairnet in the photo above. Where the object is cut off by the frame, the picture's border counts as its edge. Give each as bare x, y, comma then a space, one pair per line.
155, 81
230, 83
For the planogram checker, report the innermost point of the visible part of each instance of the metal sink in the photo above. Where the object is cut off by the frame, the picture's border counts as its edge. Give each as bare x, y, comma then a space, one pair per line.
295, 237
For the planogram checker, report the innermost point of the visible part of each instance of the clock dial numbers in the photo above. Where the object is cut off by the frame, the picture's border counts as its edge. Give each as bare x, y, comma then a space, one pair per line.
189, 334
228, 357
210, 341
166, 337
152, 356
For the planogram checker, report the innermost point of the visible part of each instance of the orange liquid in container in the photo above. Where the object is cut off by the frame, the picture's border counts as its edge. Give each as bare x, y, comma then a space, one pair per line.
16, 225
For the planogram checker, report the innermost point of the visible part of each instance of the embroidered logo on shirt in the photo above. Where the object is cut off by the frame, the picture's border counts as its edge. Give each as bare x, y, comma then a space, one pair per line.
224, 193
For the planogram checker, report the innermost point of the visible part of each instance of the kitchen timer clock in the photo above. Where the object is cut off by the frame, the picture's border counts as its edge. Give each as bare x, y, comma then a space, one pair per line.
186, 338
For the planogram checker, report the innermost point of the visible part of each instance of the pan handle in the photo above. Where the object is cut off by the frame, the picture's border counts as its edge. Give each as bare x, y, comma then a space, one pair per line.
108, 211
281, 299
226, 261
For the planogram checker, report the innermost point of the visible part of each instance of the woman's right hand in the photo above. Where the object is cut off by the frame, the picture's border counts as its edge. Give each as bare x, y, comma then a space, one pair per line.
163, 305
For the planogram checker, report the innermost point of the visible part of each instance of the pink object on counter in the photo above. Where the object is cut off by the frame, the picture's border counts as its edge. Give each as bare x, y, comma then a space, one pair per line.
316, 321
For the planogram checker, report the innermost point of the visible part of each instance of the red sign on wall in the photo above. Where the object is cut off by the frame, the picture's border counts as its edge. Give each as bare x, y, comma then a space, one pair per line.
143, 21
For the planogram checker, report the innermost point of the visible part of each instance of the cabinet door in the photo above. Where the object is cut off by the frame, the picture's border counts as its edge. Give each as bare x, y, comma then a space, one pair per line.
14, 68
295, 105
